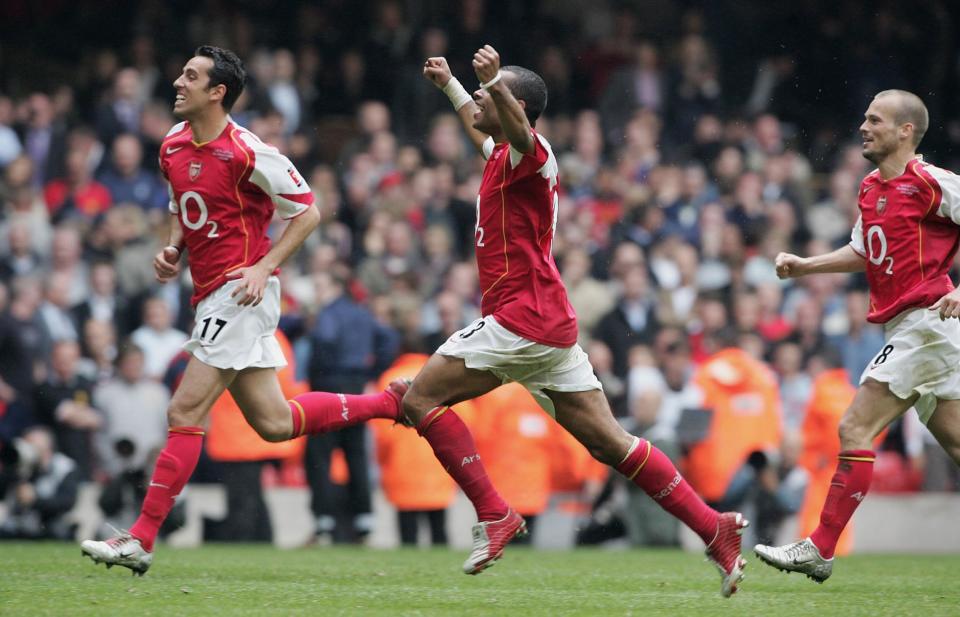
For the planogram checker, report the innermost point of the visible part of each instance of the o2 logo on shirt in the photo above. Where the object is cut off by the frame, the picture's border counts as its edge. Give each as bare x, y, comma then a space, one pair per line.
877, 257
201, 220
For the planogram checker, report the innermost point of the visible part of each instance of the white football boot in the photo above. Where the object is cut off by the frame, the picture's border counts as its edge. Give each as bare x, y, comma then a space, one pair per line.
123, 550
803, 557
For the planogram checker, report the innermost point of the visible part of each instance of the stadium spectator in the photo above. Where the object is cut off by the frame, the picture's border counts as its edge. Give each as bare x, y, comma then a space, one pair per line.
860, 344
349, 348
105, 302
133, 409
62, 403
25, 341
120, 112
99, 347
77, 195
742, 396
44, 138
283, 92
795, 384
414, 99
590, 298
39, 486
450, 316
157, 337
631, 322
127, 180
25, 206
412, 479
66, 259
58, 320
21, 259
639, 85
124, 238
10, 146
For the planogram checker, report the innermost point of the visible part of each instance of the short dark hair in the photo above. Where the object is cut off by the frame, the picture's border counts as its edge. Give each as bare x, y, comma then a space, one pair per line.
227, 70
530, 88
910, 108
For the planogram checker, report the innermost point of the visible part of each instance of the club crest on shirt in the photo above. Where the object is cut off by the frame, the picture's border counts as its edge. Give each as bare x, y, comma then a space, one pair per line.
195, 168
881, 204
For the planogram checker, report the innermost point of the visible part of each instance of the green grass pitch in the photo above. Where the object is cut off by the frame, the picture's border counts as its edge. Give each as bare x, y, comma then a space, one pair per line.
53, 579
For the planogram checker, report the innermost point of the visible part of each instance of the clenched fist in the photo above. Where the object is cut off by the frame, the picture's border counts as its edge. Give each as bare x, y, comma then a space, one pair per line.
166, 264
789, 265
437, 70
486, 63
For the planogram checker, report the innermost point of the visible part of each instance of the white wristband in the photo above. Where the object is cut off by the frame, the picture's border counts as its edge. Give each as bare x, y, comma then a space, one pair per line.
497, 78
457, 94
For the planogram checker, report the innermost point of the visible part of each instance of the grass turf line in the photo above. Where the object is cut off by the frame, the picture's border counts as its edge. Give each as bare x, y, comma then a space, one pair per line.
53, 579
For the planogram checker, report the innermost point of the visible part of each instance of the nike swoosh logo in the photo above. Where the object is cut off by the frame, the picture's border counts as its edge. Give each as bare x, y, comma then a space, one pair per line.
172, 150
799, 562
158, 484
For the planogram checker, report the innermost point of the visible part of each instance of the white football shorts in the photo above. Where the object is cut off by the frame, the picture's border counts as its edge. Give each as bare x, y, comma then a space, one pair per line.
487, 346
922, 355
230, 336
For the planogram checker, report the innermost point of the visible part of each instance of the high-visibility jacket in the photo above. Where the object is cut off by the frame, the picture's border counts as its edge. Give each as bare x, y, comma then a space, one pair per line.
514, 440
230, 438
742, 394
411, 476
830, 397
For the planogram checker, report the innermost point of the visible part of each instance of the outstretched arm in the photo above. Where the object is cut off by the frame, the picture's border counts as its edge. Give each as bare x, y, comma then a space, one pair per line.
844, 259
516, 127
438, 72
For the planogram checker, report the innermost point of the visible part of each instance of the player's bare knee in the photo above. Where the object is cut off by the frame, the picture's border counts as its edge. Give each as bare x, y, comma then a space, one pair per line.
605, 454
414, 406
603, 449
182, 413
854, 434
274, 430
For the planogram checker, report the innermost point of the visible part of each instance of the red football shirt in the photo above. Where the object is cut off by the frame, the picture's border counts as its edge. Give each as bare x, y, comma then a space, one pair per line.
225, 192
516, 220
908, 231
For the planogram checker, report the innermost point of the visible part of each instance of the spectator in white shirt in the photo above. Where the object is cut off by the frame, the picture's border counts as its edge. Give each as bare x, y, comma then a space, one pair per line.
157, 337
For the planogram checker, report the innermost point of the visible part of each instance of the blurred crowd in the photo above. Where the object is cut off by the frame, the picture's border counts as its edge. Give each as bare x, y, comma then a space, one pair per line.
695, 140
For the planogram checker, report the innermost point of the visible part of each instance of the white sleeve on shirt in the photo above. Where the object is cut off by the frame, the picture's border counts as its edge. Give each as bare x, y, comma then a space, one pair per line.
950, 187
487, 148
277, 177
173, 206
856, 238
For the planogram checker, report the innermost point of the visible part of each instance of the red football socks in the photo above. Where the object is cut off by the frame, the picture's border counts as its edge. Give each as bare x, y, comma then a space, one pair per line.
174, 467
322, 412
848, 487
453, 446
651, 470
